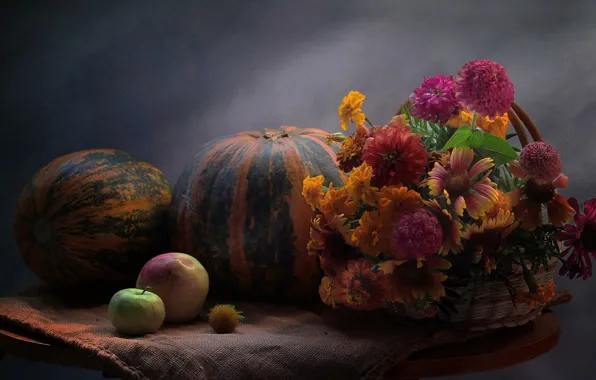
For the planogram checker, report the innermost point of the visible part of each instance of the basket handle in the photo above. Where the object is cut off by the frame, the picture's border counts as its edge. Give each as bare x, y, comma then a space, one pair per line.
521, 122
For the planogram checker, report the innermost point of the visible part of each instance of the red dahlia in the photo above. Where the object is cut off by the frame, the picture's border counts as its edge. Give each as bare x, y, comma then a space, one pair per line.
396, 156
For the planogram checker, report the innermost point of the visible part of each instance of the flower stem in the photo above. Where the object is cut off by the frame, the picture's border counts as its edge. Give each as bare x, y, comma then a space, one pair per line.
474, 120
368, 121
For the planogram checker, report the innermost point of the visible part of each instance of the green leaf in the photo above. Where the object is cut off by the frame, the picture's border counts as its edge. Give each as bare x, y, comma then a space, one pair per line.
477, 138
510, 136
461, 138
516, 149
497, 149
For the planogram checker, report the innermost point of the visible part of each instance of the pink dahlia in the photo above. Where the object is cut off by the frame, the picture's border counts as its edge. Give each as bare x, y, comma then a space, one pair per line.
483, 86
580, 240
396, 155
417, 235
541, 161
435, 99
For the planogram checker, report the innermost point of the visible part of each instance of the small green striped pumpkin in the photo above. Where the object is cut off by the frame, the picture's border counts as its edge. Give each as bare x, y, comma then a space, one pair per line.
238, 209
92, 219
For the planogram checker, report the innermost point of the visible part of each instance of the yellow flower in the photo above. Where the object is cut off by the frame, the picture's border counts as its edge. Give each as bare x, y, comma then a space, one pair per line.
497, 126
369, 236
350, 110
358, 184
337, 202
312, 190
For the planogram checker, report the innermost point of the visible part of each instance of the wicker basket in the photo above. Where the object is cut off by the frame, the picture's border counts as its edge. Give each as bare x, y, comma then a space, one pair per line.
486, 304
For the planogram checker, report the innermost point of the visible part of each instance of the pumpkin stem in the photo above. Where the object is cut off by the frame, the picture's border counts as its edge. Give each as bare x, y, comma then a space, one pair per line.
275, 135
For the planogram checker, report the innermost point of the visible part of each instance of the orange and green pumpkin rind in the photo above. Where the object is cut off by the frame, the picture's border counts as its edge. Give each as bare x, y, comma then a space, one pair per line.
238, 209
92, 218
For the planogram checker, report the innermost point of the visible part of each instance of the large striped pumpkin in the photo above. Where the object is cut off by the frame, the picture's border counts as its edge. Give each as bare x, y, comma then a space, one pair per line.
238, 209
92, 218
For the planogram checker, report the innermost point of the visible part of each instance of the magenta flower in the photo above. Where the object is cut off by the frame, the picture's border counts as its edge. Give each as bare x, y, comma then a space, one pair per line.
417, 235
435, 99
541, 161
580, 240
483, 86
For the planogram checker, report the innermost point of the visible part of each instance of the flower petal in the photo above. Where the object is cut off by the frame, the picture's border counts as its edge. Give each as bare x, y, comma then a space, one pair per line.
459, 205
590, 209
481, 166
461, 159
559, 211
436, 262
561, 182
516, 169
437, 178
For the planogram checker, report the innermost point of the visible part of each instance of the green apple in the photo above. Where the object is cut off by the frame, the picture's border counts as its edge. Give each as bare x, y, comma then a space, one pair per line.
136, 312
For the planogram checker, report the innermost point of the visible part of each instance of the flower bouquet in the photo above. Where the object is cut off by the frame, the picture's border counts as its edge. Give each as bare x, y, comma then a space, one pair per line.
441, 217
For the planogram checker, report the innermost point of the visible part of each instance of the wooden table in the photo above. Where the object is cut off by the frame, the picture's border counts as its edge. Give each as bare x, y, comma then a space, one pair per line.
503, 349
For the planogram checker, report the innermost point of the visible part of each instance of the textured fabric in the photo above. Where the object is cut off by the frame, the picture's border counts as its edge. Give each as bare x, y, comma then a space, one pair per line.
272, 343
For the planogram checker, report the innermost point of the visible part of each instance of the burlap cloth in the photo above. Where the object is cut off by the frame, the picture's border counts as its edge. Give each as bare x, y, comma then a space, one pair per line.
273, 342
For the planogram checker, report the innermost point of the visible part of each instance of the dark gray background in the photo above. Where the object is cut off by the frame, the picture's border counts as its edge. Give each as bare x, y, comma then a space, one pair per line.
158, 79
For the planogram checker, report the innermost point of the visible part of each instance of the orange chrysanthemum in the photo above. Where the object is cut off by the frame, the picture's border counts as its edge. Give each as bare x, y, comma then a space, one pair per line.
312, 190
488, 238
350, 110
337, 202
459, 185
370, 235
359, 186
452, 228
528, 200
410, 281
358, 287
395, 201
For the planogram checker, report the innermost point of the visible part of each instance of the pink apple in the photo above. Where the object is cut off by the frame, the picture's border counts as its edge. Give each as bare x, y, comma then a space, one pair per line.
180, 281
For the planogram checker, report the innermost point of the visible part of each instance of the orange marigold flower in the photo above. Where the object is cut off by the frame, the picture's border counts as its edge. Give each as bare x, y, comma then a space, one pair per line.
497, 126
488, 238
337, 202
410, 281
528, 200
327, 291
330, 239
359, 186
544, 294
397, 200
452, 228
350, 152
312, 190
358, 287
370, 235
459, 185
350, 110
